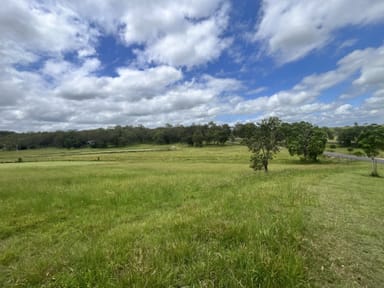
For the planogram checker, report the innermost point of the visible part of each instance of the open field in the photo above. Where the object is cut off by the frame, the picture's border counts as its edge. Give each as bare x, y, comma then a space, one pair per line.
187, 217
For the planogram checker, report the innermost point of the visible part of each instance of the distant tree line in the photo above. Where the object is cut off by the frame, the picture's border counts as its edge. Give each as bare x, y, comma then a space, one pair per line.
118, 136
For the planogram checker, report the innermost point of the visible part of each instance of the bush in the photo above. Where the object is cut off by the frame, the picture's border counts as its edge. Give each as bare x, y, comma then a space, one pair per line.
333, 146
358, 153
350, 149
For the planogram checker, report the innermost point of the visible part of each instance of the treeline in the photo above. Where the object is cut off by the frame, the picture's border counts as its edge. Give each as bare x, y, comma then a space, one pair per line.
118, 136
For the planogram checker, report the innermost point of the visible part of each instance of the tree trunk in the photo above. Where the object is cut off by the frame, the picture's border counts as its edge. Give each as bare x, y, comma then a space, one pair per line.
374, 167
265, 164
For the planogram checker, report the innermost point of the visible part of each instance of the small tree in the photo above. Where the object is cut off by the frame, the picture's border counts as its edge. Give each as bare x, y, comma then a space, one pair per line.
264, 142
371, 140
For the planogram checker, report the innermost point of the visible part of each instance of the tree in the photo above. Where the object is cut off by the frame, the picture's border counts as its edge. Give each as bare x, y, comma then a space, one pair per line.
244, 131
305, 140
223, 133
348, 136
264, 142
198, 137
371, 140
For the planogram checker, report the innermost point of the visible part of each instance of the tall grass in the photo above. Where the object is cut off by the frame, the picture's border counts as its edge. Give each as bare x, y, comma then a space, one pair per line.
183, 218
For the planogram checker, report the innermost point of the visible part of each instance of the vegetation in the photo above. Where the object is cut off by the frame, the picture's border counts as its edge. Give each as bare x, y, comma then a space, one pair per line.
118, 136
157, 217
305, 140
371, 140
264, 142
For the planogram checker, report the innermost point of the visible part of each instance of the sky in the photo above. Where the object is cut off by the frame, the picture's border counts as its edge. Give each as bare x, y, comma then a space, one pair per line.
101, 63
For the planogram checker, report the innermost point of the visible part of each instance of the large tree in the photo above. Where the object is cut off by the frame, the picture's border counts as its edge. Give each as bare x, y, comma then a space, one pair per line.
264, 142
371, 140
305, 140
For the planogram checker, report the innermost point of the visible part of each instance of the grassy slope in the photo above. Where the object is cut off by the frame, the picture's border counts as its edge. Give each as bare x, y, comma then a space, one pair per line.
197, 217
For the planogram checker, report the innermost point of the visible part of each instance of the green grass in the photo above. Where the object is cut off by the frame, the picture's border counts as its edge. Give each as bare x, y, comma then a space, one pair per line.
188, 217
346, 228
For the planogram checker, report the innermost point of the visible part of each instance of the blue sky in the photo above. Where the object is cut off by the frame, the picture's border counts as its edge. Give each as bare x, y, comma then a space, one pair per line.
89, 64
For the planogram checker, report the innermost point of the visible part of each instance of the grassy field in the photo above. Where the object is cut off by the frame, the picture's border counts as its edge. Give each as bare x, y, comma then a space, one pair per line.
187, 217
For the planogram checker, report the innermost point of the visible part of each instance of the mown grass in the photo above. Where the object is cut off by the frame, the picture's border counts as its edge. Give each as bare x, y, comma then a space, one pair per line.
182, 218
346, 227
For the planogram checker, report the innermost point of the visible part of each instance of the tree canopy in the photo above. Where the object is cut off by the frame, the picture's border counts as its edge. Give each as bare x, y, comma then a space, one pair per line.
306, 140
264, 142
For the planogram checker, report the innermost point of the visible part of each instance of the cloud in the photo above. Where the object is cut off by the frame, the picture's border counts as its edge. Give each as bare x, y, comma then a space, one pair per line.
256, 91
198, 44
195, 44
348, 43
163, 17
130, 84
33, 29
203, 92
14, 84
292, 29
375, 102
343, 109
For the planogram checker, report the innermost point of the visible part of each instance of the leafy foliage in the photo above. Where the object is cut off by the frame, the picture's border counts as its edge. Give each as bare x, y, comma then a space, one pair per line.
264, 142
371, 140
305, 140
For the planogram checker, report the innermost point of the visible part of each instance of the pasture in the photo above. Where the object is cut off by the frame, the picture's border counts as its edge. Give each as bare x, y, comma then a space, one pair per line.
159, 216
